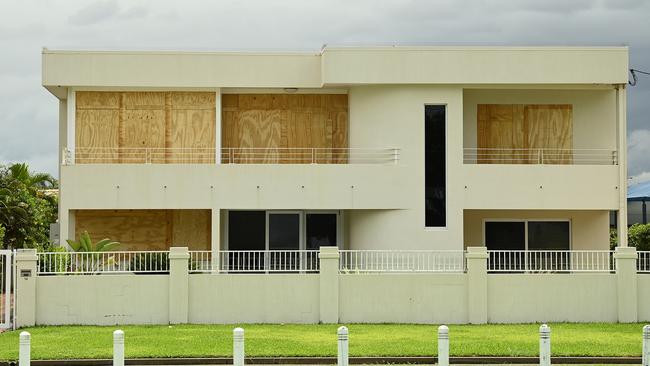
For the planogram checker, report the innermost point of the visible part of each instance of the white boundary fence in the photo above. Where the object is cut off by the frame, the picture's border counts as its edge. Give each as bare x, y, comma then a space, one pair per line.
255, 261
554, 261
404, 261
643, 262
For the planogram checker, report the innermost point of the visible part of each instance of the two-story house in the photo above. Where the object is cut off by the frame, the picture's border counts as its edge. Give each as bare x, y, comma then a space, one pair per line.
392, 148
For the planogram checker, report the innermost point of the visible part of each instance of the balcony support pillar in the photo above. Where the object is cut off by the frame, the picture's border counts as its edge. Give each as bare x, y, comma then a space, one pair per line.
621, 124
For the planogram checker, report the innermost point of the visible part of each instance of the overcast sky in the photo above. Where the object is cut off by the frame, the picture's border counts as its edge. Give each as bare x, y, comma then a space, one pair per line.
29, 113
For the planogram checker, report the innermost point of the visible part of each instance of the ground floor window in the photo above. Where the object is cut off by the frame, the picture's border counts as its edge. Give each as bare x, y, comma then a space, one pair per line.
522, 245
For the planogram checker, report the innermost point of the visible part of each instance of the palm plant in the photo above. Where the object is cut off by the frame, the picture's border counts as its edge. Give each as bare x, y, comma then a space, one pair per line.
20, 172
91, 259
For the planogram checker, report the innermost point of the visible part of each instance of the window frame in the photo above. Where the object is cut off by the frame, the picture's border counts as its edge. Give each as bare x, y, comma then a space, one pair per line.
526, 221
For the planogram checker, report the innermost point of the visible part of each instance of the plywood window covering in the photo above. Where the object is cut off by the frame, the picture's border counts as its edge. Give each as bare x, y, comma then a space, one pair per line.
285, 128
515, 133
158, 127
147, 229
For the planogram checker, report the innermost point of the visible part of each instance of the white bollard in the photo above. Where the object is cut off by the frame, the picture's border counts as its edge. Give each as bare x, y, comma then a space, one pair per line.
24, 352
343, 339
238, 347
544, 345
118, 348
443, 345
645, 356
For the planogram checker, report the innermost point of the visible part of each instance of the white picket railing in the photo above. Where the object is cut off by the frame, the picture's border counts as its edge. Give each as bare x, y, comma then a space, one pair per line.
255, 261
540, 156
643, 261
229, 155
550, 261
50, 263
401, 261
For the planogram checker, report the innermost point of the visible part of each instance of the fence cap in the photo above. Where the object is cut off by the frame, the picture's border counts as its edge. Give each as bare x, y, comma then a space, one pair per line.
179, 253
625, 253
329, 253
477, 253
26, 255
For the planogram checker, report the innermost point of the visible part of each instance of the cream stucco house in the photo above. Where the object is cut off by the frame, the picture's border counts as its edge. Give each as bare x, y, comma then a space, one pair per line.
375, 184
368, 148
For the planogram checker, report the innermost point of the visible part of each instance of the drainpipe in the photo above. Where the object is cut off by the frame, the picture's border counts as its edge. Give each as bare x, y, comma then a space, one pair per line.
645, 212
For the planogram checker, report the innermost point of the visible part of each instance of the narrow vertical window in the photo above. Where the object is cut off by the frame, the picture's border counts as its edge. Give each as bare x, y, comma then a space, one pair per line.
435, 180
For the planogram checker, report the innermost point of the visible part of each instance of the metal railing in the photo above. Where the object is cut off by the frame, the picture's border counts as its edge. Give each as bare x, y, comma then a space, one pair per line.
550, 261
401, 261
51, 263
230, 155
255, 261
548, 156
643, 262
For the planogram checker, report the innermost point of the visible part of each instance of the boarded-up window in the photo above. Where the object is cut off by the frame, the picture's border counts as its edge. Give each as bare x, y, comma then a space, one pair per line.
524, 134
280, 128
145, 127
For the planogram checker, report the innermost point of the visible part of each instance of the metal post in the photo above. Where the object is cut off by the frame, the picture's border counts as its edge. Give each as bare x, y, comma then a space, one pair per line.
342, 334
544, 345
24, 353
645, 356
238, 347
443, 345
118, 348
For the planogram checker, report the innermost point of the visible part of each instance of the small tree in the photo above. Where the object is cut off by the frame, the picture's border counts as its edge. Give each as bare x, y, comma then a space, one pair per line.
638, 236
2, 234
85, 244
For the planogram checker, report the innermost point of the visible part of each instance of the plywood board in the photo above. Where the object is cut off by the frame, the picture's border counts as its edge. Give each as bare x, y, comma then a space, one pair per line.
147, 229
284, 128
158, 127
522, 134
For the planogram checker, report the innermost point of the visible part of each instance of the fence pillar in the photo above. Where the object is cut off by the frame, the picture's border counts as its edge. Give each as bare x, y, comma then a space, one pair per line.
329, 284
343, 356
25, 292
24, 349
477, 285
626, 288
118, 348
178, 285
544, 345
238, 350
443, 345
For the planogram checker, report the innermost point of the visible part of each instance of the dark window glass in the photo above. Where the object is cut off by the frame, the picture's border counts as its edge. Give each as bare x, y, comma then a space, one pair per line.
321, 230
435, 186
246, 230
504, 235
548, 235
284, 231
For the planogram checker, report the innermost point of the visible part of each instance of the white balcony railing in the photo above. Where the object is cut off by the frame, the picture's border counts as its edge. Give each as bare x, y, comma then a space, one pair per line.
50, 263
548, 156
271, 155
401, 261
255, 261
535, 261
643, 262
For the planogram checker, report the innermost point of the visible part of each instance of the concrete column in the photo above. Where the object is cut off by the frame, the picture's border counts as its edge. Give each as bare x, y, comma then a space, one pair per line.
178, 285
626, 288
25, 292
217, 129
329, 284
216, 239
477, 285
621, 124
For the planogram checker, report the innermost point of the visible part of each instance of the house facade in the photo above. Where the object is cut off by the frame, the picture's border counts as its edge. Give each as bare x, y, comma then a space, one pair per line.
364, 148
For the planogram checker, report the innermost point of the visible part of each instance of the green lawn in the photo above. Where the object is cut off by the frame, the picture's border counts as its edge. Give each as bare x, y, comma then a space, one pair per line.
320, 340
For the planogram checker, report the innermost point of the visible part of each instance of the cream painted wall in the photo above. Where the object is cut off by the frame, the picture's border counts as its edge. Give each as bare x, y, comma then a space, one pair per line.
254, 298
594, 112
643, 284
403, 298
102, 300
394, 116
522, 298
589, 229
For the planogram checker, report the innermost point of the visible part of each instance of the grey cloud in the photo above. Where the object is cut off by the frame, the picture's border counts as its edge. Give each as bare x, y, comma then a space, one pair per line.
95, 12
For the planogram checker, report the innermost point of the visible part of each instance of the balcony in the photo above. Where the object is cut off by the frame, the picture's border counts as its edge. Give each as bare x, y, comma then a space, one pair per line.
541, 156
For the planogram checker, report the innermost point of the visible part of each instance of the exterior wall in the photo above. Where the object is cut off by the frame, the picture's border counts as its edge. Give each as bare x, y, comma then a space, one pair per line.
254, 298
643, 284
417, 298
102, 300
394, 116
589, 229
524, 298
